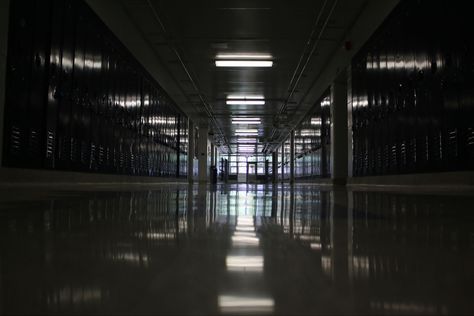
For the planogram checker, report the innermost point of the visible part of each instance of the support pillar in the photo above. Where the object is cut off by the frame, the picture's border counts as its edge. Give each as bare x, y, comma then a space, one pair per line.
275, 166
202, 154
339, 130
292, 157
349, 123
282, 162
4, 15
191, 153
212, 155
216, 154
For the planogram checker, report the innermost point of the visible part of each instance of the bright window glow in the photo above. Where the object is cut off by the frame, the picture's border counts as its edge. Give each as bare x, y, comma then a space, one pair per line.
244, 63
245, 102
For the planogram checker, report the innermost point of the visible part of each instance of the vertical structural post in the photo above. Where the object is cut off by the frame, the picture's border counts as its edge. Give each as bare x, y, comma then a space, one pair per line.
190, 150
292, 156
4, 14
349, 123
202, 153
212, 155
178, 148
215, 156
282, 162
275, 166
339, 130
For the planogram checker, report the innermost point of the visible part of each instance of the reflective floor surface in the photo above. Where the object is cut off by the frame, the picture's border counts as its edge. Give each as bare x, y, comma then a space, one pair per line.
238, 249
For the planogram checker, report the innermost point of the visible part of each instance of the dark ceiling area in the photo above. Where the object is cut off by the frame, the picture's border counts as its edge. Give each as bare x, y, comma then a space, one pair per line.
299, 37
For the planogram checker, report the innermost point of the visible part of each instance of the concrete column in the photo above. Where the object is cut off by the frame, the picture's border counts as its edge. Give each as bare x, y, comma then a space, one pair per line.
339, 129
212, 155
349, 122
190, 150
275, 166
4, 15
282, 161
292, 156
202, 154
216, 154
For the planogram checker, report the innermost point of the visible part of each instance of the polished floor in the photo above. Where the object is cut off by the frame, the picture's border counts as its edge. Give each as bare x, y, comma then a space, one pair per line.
237, 249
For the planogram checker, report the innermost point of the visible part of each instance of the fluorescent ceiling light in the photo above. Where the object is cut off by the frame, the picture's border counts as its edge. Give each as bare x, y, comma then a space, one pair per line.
244, 63
248, 130
245, 119
246, 140
245, 102
244, 56
245, 97
246, 122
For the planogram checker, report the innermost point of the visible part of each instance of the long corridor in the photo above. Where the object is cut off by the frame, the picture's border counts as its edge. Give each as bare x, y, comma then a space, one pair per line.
236, 249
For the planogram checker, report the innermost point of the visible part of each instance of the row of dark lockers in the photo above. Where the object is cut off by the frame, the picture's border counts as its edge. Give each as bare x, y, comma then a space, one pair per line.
413, 92
76, 99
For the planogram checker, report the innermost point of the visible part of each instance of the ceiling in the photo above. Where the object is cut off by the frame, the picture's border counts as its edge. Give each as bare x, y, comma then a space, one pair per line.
300, 35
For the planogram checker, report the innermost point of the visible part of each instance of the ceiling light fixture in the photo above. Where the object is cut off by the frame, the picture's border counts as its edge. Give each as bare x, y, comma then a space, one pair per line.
247, 130
245, 102
245, 97
243, 56
246, 122
244, 63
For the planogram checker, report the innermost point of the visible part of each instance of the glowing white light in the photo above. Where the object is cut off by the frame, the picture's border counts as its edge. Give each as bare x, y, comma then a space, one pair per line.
253, 263
245, 97
243, 56
246, 122
244, 63
315, 246
245, 228
244, 241
245, 102
248, 130
246, 140
239, 304
316, 121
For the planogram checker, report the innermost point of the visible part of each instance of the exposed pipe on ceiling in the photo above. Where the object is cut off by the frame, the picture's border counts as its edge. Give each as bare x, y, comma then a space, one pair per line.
207, 107
298, 74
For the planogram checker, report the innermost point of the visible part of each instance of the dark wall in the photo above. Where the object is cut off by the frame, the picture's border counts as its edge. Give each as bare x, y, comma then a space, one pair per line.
313, 142
413, 92
77, 100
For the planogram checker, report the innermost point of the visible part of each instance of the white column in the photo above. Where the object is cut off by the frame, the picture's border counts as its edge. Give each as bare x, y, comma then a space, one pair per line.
4, 15
202, 154
339, 130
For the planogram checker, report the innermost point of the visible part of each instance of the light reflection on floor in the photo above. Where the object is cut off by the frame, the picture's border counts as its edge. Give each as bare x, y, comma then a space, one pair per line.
237, 249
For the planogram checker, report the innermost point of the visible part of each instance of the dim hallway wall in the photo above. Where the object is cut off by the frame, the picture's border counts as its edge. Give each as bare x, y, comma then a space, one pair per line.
4, 9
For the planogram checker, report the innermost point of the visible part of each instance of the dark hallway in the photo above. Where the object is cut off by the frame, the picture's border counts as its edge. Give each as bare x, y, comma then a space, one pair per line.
236, 157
